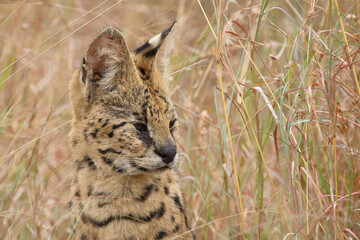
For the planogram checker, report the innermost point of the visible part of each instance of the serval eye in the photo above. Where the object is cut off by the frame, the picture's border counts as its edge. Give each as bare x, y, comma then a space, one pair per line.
141, 127
172, 123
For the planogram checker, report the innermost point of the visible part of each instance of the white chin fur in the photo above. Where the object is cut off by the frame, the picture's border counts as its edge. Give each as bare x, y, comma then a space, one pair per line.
156, 163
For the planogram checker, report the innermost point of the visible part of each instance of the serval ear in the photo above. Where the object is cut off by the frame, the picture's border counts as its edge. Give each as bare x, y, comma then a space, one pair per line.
146, 56
107, 61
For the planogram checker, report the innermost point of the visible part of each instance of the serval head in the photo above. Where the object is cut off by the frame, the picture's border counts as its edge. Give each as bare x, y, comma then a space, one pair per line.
123, 117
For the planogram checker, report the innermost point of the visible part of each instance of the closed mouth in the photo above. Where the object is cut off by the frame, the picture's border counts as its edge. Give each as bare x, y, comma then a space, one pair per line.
162, 168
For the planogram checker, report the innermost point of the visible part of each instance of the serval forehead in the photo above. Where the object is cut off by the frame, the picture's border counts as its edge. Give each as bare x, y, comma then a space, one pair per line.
158, 105
143, 103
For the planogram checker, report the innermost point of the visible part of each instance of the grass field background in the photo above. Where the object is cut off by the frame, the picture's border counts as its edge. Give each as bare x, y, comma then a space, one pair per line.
281, 162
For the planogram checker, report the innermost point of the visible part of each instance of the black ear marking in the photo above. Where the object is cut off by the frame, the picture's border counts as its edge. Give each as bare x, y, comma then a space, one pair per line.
152, 52
151, 47
143, 47
166, 32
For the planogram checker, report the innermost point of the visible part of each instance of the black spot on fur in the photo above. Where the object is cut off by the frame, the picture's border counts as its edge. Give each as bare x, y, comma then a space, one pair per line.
166, 190
111, 134
115, 126
176, 229
70, 203
161, 210
102, 204
77, 193
107, 161
93, 134
84, 219
98, 194
164, 99
147, 191
157, 213
179, 205
108, 150
133, 164
105, 123
142, 71
90, 191
84, 237
160, 235
90, 162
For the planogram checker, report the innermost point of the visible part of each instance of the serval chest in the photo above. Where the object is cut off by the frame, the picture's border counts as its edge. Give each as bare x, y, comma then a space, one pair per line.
133, 207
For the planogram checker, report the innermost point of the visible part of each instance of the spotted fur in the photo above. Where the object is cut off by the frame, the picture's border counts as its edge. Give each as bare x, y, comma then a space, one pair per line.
124, 140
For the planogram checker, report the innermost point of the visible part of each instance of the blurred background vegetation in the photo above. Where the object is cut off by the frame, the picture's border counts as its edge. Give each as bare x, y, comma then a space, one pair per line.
282, 162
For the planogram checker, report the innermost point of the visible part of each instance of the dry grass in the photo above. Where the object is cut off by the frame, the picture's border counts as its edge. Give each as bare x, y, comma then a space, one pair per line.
283, 69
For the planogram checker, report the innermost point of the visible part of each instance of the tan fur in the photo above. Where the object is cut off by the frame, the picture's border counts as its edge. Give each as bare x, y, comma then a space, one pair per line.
122, 188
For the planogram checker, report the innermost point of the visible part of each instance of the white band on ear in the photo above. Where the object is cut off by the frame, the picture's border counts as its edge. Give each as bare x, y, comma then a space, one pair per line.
155, 41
